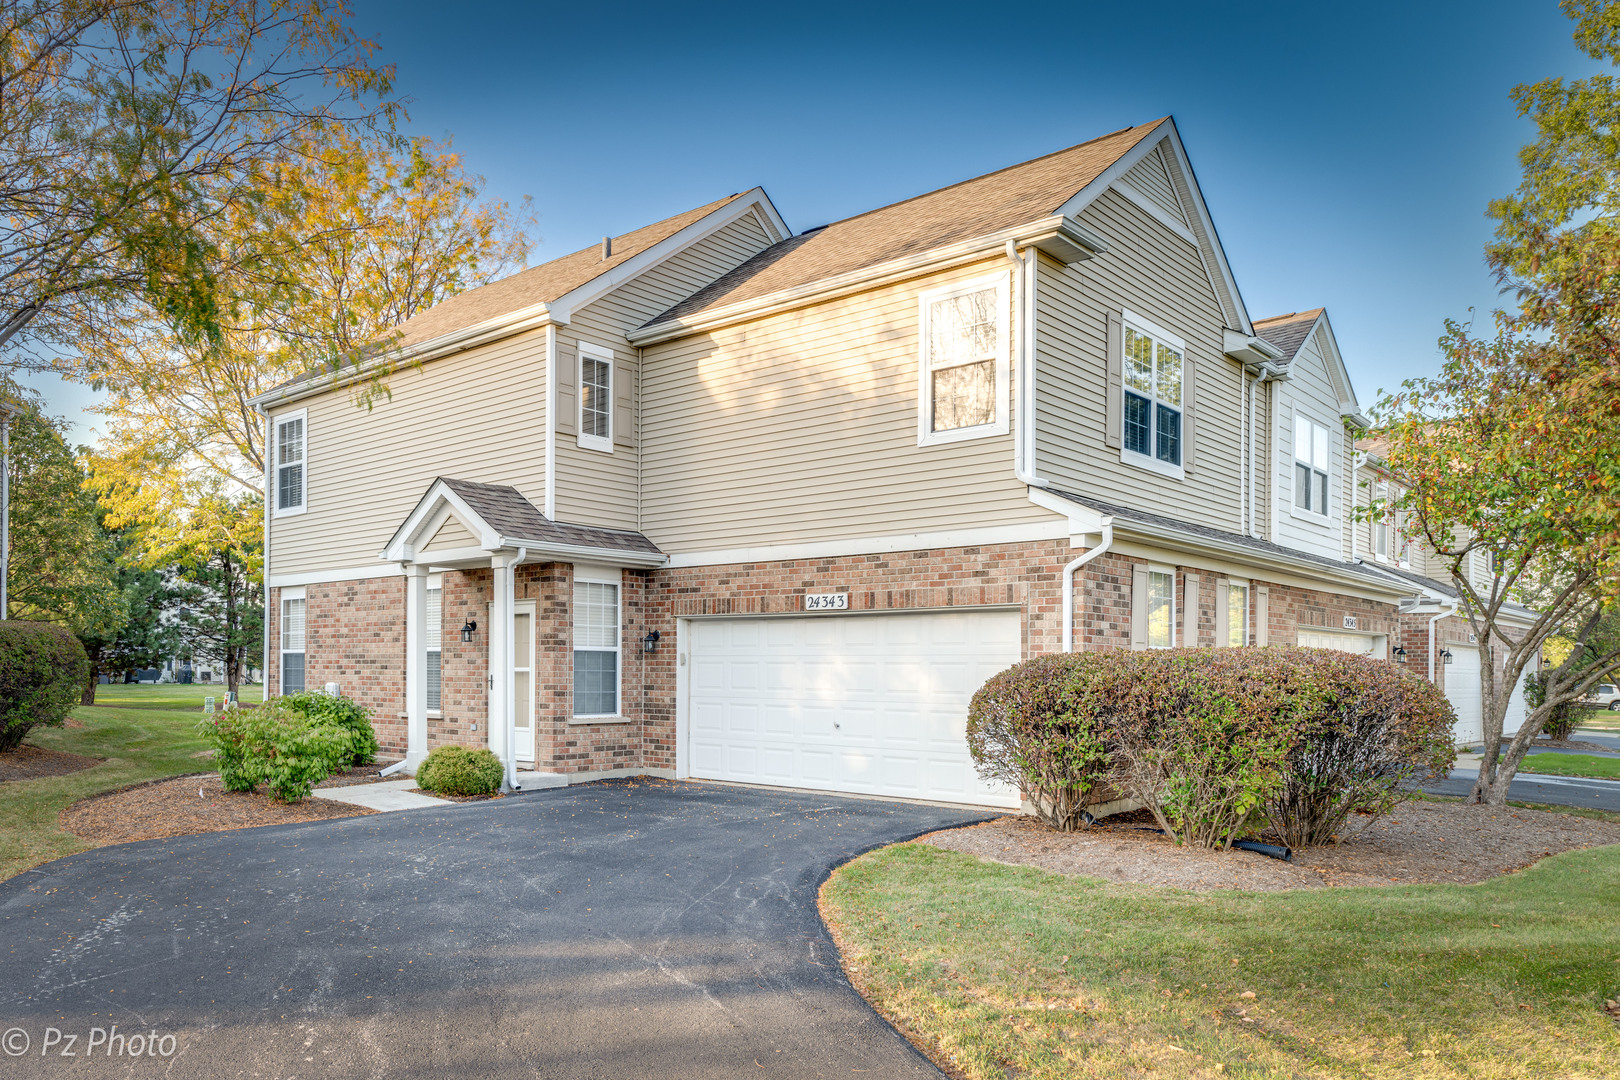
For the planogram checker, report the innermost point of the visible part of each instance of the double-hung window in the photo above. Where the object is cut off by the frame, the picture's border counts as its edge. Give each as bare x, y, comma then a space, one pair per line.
292, 644
1311, 466
1381, 524
289, 460
434, 617
1161, 610
1152, 375
962, 393
596, 649
595, 397
1237, 614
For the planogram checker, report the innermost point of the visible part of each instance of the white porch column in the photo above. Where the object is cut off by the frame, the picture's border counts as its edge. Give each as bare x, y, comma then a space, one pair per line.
500, 665
416, 747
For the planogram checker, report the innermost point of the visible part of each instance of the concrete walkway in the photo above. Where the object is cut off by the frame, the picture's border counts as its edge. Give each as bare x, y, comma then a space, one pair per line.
382, 797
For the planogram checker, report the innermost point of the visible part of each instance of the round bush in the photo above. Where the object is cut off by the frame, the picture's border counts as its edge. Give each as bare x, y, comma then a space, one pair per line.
43, 670
277, 746
1212, 741
459, 770
341, 712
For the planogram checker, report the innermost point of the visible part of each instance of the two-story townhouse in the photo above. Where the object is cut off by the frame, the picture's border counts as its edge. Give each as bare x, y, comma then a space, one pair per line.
718, 500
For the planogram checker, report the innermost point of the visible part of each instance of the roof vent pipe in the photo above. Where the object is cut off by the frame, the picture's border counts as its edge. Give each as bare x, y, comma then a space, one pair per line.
607, 248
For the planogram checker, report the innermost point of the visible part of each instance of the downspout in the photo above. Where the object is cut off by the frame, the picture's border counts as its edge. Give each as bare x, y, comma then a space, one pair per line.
550, 508
1249, 508
1437, 618
1355, 531
1264, 373
264, 672
1068, 580
1024, 365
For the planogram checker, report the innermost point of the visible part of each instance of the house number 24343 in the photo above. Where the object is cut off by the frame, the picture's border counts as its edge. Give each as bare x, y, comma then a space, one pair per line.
826, 601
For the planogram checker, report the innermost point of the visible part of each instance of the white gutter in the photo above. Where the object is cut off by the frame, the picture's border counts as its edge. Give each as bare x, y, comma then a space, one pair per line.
1355, 532
549, 509
1432, 621
510, 660
264, 672
649, 560
1068, 580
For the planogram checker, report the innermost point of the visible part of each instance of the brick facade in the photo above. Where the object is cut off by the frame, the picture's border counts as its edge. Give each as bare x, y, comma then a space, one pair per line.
356, 631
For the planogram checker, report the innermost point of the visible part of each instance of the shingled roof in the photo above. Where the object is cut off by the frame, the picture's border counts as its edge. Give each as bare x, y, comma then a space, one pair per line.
1288, 332
986, 204
546, 282
505, 510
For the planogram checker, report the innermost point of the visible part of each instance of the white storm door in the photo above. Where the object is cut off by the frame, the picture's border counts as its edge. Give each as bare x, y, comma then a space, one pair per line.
523, 680
872, 704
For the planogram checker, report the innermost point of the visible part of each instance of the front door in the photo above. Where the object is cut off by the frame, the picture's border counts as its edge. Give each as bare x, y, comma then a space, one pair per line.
523, 680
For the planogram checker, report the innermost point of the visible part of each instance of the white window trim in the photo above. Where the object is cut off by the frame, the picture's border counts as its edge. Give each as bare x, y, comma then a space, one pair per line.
1248, 597
1326, 516
435, 583
295, 593
926, 436
601, 575
275, 468
1170, 572
586, 349
1175, 341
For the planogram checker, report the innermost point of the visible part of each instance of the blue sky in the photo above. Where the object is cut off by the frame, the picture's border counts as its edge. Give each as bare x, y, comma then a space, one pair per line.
1346, 151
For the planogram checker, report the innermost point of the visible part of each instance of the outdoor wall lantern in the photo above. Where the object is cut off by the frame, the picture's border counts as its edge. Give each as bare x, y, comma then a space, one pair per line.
1400, 655
468, 629
1445, 656
650, 642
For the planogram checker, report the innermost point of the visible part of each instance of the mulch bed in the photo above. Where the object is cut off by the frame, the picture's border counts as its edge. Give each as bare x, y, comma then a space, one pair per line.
1422, 842
185, 805
456, 798
31, 762
360, 774
1577, 745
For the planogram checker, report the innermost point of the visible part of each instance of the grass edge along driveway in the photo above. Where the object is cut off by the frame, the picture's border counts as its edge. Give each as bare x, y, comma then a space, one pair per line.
999, 971
145, 732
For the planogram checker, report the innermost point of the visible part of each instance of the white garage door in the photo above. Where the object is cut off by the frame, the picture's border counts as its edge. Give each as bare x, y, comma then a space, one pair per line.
1462, 690
875, 704
1360, 644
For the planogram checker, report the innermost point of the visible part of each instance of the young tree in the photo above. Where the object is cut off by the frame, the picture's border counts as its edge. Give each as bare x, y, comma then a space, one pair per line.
62, 567
148, 637
130, 128
222, 605
1499, 455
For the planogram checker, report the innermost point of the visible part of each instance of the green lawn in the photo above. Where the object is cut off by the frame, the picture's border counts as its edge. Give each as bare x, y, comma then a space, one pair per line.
144, 732
1600, 720
1602, 768
1003, 971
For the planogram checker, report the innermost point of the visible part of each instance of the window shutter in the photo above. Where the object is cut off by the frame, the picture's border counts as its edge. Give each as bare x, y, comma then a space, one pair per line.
1116, 380
1223, 612
1189, 417
1139, 599
1262, 615
624, 402
567, 402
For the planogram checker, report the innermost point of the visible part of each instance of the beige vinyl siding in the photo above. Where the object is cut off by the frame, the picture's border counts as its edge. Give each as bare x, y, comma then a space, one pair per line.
802, 427
1155, 274
1149, 177
1309, 391
599, 488
452, 534
479, 415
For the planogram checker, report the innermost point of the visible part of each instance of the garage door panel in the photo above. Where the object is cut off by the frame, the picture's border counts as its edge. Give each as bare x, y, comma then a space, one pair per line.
1463, 691
873, 704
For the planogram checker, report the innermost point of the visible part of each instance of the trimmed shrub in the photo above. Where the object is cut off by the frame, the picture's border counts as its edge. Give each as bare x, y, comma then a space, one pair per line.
1212, 741
1364, 728
43, 670
342, 712
1036, 726
274, 745
459, 770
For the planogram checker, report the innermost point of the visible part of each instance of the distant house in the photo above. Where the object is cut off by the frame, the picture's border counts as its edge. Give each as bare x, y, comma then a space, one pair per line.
716, 499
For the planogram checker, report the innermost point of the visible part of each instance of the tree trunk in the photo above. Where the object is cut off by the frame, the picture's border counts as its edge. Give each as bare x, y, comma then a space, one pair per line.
233, 652
88, 695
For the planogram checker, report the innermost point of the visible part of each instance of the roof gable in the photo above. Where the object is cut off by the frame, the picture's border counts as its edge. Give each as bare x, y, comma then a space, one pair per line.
1194, 222
1291, 332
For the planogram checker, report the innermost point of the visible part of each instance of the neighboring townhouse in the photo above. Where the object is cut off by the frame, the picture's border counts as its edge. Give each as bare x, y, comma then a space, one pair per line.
719, 500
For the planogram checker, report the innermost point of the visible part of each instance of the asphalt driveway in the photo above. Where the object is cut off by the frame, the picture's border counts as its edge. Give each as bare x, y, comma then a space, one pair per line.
624, 929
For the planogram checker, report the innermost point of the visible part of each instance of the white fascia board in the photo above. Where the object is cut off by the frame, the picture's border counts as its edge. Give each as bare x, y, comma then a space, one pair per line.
323, 577
1165, 134
1248, 349
401, 546
551, 551
750, 202
1349, 406
869, 277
